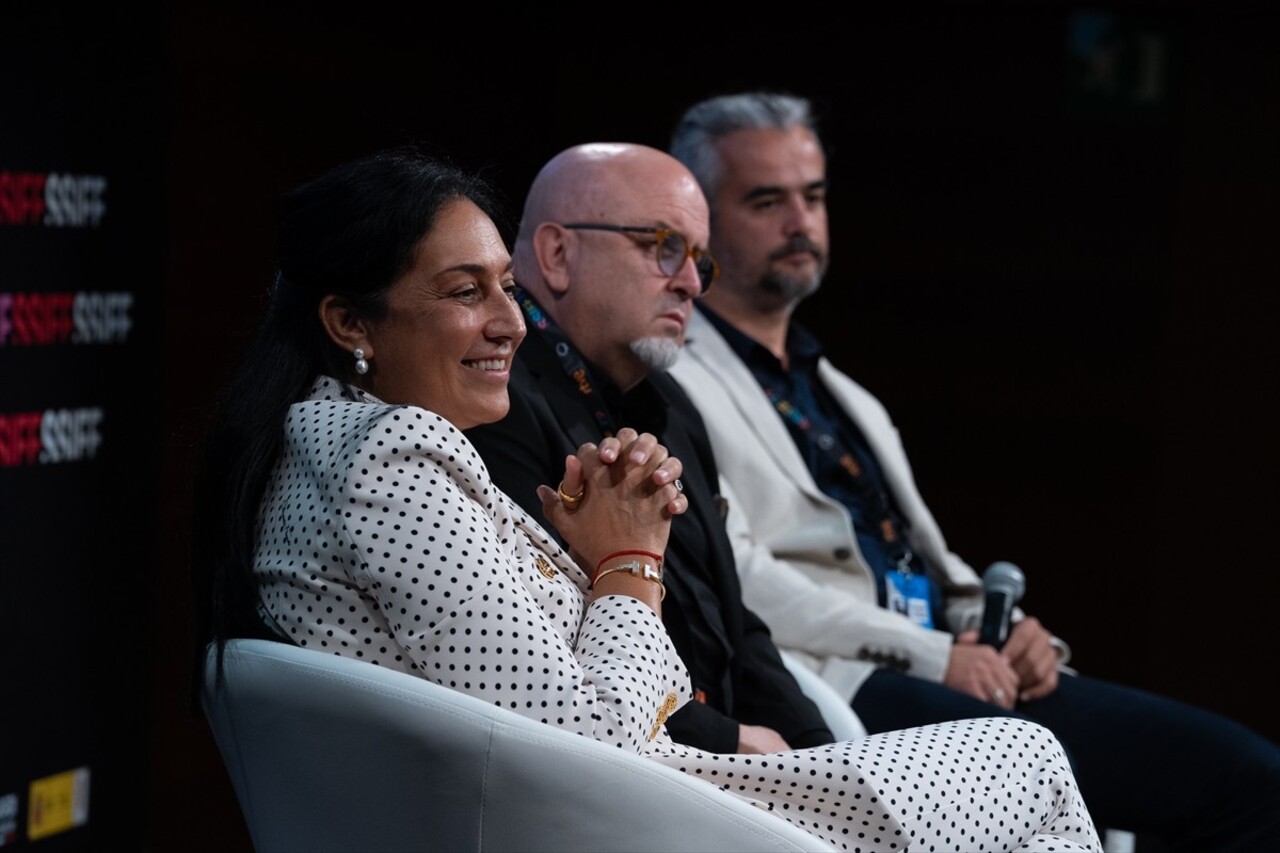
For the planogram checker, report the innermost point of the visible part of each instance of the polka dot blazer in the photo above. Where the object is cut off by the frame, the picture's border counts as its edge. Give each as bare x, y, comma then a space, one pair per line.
381, 537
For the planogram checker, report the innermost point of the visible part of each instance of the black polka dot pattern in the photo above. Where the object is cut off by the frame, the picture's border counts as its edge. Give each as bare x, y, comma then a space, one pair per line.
381, 537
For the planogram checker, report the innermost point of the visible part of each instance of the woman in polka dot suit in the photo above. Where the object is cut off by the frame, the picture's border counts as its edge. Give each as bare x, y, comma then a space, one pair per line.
340, 504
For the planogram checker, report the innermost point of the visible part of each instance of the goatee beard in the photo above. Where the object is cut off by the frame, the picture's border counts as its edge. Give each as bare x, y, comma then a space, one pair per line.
656, 353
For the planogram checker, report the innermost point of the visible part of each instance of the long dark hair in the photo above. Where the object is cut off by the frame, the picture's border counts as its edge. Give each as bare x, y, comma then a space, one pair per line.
351, 232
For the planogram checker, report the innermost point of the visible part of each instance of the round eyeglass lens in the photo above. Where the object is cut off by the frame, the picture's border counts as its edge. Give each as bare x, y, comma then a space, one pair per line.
672, 250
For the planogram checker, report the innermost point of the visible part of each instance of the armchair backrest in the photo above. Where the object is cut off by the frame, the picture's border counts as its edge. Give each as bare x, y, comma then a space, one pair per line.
331, 753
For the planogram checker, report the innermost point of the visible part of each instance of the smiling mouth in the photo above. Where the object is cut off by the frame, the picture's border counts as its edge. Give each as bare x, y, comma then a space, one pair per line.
486, 363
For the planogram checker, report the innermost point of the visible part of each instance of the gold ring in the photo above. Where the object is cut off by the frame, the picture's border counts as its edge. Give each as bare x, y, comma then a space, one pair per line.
570, 500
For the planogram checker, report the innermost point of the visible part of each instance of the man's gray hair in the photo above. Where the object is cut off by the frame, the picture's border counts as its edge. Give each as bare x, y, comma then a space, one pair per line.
693, 140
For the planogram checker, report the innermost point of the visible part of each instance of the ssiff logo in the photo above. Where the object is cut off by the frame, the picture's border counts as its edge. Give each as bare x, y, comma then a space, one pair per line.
55, 200
55, 435
37, 319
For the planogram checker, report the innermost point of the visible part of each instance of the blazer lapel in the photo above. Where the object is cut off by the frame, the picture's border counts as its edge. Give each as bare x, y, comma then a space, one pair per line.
758, 417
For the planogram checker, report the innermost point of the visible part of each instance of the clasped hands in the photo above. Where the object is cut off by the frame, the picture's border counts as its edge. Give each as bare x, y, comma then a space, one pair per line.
620, 493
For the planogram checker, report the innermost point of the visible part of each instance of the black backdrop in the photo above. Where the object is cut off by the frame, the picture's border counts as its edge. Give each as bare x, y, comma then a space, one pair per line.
82, 252
1059, 273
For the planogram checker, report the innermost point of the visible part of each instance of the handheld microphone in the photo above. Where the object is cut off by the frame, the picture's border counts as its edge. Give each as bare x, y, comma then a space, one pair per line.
1003, 585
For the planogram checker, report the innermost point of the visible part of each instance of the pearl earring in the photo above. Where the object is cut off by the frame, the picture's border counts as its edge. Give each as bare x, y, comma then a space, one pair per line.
362, 366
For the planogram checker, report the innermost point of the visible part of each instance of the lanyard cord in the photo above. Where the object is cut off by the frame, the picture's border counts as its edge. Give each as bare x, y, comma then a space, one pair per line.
873, 498
572, 362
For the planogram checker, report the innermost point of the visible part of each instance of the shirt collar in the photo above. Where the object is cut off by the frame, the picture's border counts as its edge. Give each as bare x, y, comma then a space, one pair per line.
803, 348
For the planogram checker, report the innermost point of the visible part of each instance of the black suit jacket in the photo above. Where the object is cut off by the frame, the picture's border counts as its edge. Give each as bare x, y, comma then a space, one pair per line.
734, 665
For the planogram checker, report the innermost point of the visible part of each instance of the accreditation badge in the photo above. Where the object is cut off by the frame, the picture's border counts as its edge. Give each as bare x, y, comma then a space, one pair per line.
908, 593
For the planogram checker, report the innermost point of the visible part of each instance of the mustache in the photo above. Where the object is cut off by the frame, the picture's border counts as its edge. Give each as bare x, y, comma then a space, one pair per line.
799, 243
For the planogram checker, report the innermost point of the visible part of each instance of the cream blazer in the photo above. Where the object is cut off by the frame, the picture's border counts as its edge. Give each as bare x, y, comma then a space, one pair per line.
801, 568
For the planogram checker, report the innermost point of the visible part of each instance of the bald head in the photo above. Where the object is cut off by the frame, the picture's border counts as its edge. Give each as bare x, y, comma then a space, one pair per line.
605, 287
604, 182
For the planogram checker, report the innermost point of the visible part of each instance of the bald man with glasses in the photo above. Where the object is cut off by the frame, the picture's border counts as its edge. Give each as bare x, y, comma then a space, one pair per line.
610, 257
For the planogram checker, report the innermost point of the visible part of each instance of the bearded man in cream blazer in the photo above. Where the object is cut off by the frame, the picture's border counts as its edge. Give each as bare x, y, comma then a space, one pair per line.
839, 554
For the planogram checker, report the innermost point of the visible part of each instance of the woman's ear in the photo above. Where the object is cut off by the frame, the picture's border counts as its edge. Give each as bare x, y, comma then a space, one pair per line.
551, 246
344, 327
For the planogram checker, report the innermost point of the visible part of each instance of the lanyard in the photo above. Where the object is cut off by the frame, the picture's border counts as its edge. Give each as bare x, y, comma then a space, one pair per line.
571, 361
874, 500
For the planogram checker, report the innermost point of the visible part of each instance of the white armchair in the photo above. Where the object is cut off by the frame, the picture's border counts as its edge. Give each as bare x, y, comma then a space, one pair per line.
328, 753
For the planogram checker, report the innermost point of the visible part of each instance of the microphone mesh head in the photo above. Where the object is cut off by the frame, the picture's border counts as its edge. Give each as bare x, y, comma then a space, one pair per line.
1006, 578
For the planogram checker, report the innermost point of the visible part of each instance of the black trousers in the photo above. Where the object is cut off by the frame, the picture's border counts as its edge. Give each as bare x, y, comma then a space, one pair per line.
1185, 778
